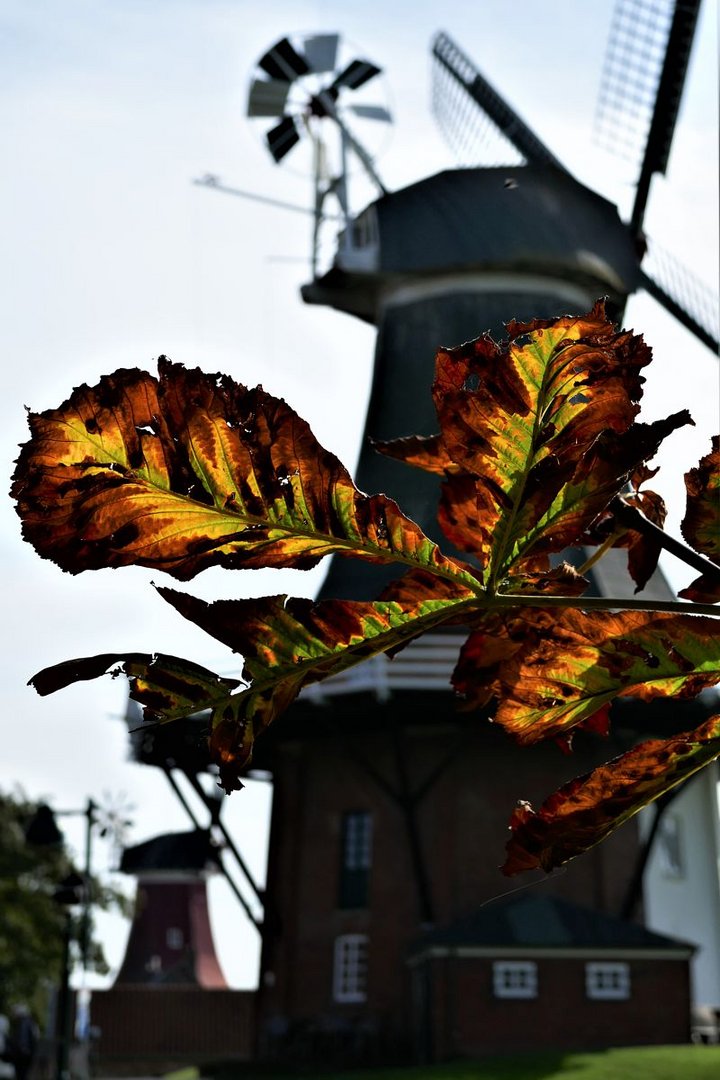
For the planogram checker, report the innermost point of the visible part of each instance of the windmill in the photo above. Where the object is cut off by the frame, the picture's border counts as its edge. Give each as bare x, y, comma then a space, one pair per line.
378, 805
305, 86
519, 238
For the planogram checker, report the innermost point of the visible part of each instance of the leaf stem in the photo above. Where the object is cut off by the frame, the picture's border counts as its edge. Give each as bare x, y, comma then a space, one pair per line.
600, 551
603, 603
632, 518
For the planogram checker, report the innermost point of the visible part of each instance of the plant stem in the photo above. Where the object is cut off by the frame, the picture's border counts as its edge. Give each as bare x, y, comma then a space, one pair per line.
599, 552
632, 518
603, 603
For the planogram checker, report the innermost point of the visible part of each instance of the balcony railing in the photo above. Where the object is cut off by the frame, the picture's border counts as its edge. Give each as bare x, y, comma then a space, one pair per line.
425, 664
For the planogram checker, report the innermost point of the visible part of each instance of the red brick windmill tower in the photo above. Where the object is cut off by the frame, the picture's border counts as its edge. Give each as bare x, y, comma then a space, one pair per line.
170, 1003
387, 801
170, 940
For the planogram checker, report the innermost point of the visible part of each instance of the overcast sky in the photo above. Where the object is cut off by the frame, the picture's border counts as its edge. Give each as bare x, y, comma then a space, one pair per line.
111, 256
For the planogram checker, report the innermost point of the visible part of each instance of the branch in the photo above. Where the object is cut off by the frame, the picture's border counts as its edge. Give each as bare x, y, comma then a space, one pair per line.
602, 603
632, 518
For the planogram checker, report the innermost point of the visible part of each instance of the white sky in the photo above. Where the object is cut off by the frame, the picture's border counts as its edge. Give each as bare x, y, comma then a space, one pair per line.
112, 257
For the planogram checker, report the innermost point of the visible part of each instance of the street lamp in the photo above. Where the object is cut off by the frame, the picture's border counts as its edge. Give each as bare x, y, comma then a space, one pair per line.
71, 890
43, 831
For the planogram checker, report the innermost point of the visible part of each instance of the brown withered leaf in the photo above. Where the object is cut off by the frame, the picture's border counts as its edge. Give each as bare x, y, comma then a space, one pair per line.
643, 548
167, 687
495, 638
701, 524
562, 580
187, 470
585, 811
572, 666
425, 452
288, 643
537, 436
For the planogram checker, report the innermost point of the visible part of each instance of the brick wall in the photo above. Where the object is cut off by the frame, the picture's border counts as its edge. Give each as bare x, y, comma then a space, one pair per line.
172, 1025
467, 1019
462, 824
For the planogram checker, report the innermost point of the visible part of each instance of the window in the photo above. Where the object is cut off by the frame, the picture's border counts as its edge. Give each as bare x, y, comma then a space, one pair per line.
174, 937
356, 857
515, 979
609, 982
669, 846
350, 968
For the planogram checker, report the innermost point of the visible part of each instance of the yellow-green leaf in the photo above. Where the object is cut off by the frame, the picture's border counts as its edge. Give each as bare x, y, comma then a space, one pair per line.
186, 470
573, 664
585, 811
286, 644
701, 524
537, 436
289, 643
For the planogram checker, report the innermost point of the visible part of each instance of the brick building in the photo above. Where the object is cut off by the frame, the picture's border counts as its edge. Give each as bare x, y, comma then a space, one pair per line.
389, 816
536, 972
390, 806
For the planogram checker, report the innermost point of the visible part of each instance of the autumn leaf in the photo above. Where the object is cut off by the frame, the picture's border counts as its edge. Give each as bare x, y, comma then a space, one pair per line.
701, 524
562, 580
538, 438
541, 435
288, 643
614, 527
167, 687
425, 452
643, 550
573, 665
585, 811
187, 470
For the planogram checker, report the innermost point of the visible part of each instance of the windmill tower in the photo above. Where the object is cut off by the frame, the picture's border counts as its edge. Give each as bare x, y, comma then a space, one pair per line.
170, 939
170, 1003
387, 801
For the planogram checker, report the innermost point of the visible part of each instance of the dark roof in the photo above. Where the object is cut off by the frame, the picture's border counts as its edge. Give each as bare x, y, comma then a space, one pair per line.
512, 219
530, 216
544, 922
172, 851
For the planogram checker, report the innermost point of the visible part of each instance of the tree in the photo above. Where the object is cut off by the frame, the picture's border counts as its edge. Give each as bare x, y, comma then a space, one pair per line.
538, 449
32, 923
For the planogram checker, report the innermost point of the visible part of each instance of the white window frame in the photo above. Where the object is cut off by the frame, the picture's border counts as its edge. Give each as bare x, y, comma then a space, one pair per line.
515, 979
350, 969
607, 981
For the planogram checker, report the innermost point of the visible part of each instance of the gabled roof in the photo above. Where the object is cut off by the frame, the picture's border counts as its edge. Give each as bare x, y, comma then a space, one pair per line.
543, 922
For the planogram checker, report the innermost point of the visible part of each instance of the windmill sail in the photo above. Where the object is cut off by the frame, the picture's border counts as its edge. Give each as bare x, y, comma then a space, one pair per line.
644, 76
460, 88
683, 294
643, 79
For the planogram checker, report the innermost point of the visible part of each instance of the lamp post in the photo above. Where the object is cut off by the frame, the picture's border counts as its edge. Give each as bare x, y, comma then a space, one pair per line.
72, 890
43, 831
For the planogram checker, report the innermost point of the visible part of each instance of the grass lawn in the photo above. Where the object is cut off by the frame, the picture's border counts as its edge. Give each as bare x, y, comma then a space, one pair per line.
637, 1063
